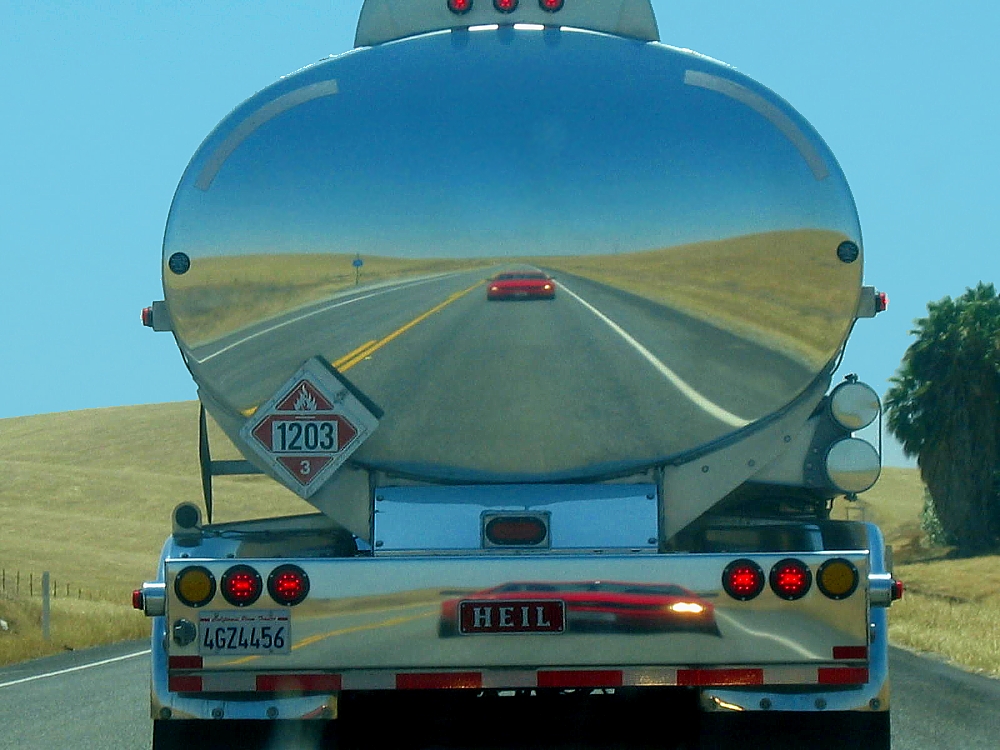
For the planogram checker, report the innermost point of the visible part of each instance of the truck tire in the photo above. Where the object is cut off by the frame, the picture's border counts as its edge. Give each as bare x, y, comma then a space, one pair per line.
234, 734
836, 730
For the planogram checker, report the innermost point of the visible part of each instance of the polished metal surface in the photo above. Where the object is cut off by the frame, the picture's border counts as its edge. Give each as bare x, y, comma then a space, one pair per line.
582, 517
853, 465
622, 610
873, 696
854, 405
703, 241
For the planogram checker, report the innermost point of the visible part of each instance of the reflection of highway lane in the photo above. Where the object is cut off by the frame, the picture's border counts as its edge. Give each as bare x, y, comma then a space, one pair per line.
548, 386
526, 387
273, 349
743, 377
406, 637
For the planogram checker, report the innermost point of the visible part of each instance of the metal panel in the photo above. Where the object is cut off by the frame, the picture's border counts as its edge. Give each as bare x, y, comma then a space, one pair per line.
622, 611
596, 516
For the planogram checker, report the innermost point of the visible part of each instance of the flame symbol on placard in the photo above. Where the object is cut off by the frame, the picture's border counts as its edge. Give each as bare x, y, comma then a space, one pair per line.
305, 402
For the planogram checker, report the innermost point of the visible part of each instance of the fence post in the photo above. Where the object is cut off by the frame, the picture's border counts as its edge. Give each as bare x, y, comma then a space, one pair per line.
45, 605
31, 584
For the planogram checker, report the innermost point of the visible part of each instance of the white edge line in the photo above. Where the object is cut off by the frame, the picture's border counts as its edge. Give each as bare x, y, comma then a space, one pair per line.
703, 403
73, 669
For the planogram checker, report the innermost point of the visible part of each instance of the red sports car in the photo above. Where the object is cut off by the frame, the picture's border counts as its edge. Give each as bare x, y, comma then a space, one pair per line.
585, 605
521, 285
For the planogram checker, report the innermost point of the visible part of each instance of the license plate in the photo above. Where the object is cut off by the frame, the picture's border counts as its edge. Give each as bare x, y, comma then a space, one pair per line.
249, 632
522, 616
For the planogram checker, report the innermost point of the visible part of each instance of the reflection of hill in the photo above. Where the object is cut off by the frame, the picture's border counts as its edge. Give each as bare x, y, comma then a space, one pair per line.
785, 290
223, 294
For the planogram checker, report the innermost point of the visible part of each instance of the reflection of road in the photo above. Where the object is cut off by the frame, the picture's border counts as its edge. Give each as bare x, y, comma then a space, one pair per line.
594, 376
407, 638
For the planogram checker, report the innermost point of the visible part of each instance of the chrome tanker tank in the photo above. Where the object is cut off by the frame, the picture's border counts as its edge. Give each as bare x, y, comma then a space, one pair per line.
700, 243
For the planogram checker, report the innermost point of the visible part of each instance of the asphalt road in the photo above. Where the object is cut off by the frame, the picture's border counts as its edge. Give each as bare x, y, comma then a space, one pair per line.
594, 376
98, 699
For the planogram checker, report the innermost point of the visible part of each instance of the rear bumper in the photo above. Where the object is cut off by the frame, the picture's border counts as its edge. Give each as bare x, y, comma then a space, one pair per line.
377, 624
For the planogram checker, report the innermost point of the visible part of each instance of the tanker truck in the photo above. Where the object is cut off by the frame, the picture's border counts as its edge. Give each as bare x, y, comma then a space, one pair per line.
536, 321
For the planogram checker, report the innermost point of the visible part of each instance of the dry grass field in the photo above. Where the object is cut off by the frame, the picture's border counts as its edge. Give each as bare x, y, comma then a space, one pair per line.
87, 496
223, 294
951, 606
785, 290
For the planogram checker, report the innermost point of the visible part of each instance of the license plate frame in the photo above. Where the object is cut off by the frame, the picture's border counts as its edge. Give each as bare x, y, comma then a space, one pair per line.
512, 617
263, 632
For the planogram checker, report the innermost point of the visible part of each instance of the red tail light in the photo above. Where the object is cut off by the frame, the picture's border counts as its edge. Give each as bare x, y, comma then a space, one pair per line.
743, 579
461, 7
550, 6
505, 6
288, 584
241, 585
137, 602
791, 579
516, 530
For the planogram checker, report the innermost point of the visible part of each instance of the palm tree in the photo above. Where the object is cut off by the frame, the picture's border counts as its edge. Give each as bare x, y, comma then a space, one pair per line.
944, 406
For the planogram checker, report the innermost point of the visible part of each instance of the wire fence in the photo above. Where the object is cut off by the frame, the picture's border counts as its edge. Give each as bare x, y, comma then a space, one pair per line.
18, 583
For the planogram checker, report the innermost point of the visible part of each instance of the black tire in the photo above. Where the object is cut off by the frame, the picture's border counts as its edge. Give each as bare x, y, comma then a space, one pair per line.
834, 730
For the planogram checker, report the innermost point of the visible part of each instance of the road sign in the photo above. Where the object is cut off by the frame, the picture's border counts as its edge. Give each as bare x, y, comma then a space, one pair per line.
357, 262
309, 428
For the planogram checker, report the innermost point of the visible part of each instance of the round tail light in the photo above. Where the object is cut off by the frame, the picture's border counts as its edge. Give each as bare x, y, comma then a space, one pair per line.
461, 7
743, 579
550, 6
505, 6
241, 585
195, 586
288, 584
791, 579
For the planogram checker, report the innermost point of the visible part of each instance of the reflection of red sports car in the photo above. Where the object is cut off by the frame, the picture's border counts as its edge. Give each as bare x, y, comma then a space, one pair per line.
604, 605
521, 285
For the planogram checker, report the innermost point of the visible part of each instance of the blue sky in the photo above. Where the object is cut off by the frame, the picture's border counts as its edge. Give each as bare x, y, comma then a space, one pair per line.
105, 104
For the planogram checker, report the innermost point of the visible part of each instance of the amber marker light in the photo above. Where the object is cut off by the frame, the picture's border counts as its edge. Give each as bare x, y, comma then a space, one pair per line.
195, 586
837, 578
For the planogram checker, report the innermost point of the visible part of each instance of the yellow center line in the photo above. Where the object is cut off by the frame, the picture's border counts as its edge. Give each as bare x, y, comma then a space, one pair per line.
354, 356
338, 363
349, 360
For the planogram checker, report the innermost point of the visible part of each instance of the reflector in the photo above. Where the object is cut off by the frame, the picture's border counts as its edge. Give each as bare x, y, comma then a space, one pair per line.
195, 586
837, 578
